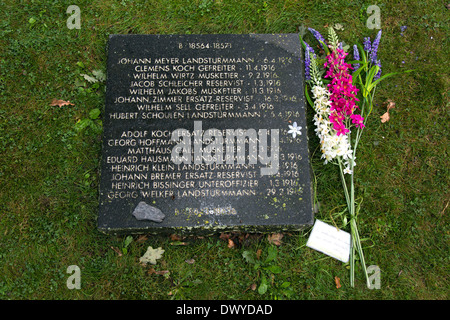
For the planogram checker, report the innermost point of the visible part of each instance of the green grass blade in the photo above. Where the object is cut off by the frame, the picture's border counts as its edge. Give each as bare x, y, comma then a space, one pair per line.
308, 97
373, 84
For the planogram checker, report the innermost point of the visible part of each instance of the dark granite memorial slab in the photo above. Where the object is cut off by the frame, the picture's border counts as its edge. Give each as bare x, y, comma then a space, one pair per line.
204, 133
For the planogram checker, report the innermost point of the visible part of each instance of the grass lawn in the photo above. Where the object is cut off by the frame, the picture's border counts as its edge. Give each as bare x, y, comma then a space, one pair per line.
49, 163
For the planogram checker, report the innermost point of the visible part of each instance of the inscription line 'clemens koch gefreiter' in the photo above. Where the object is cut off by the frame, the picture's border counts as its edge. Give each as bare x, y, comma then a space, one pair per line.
196, 135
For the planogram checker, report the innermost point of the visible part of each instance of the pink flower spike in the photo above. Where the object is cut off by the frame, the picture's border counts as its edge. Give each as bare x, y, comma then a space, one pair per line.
357, 120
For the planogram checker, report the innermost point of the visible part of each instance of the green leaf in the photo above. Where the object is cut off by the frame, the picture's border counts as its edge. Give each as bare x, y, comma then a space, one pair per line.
325, 47
80, 125
308, 97
274, 269
79, 83
193, 283
302, 42
128, 240
272, 254
362, 53
357, 72
372, 72
248, 256
354, 61
94, 113
372, 85
263, 286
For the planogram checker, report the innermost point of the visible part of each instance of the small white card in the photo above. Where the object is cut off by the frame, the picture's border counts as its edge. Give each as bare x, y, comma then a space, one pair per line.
330, 240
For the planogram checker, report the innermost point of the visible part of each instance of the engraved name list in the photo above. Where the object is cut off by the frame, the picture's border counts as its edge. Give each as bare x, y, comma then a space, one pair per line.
232, 97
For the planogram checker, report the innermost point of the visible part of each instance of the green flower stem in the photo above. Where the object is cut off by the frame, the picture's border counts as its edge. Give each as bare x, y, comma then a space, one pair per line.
350, 198
356, 241
344, 184
353, 213
347, 198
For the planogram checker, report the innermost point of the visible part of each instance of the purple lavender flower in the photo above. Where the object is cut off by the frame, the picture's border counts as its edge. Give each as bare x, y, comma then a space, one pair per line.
356, 57
308, 51
307, 64
374, 49
367, 45
318, 36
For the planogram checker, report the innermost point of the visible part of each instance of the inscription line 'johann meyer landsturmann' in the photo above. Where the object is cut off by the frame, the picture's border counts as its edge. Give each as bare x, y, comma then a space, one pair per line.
163, 64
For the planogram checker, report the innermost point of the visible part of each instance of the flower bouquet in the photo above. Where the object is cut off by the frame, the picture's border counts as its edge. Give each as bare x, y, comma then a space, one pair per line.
342, 98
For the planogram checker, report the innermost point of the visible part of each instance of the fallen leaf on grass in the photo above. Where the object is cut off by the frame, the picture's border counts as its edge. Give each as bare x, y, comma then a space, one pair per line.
179, 243
189, 261
151, 255
117, 251
176, 237
252, 287
89, 78
161, 272
385, 117
339, 26
224, 236
239, 239
258, 253
390, 105
142, 238
338, 282
60, 103
228, 237
442, 212
99, 75
275, 238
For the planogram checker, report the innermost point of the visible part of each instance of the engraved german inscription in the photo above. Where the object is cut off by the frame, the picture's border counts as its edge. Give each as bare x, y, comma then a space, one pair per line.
197, 127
